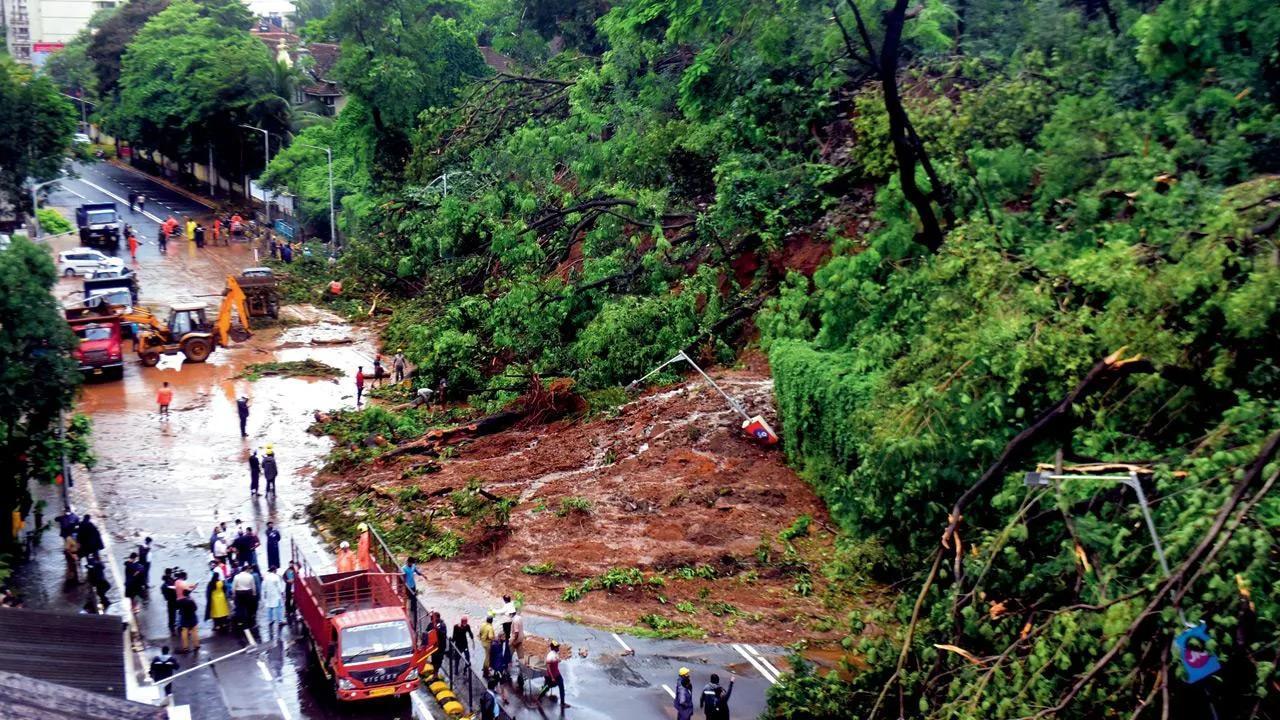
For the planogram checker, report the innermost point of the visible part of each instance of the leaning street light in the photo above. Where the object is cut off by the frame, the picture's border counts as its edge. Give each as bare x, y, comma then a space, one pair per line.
1045, 479
333, 238
266, 160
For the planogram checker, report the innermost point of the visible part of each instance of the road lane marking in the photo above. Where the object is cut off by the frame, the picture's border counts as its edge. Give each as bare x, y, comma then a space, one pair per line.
624, 645
266, 674
670, 692
73, 192
763, 659
755, 664
249, 636
117, 198
284, 710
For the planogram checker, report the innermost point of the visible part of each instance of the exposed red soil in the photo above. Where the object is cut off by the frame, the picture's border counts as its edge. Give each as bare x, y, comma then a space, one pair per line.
672, 483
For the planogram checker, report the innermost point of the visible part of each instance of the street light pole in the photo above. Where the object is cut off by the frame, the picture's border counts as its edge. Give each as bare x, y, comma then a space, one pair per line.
333, 226
35, 219
266, 160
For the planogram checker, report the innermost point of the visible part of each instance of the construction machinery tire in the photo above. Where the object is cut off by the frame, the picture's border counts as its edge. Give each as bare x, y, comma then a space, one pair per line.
453, 708
197, 349
150, 359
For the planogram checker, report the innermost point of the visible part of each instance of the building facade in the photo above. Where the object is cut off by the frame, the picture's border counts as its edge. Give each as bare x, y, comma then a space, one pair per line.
37, 28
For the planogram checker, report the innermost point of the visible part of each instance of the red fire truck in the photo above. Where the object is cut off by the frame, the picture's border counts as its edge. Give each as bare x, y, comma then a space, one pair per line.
358, 628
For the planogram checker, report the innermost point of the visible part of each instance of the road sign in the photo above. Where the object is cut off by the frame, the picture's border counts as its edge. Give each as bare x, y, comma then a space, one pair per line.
1194, 653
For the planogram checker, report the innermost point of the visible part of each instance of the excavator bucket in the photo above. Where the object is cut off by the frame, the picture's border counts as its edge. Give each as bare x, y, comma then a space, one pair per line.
232, 299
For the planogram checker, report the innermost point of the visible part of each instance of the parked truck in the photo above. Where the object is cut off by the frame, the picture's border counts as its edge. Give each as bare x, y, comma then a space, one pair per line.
359, 630
99, 225
101, 347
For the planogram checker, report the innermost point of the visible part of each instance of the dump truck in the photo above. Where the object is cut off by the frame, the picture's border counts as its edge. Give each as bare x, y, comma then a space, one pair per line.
100, 350
358, 627
261, 294
99, 225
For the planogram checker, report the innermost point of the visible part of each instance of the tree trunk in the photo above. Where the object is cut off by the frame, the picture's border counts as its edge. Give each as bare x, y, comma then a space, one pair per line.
908, 152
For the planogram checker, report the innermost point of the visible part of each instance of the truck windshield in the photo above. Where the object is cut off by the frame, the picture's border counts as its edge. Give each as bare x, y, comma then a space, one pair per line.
98, 217
362, 643
95, 332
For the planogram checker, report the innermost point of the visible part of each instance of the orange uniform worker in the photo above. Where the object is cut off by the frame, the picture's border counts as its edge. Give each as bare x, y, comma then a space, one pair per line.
163, 398
364, 561
346, 559
133, 247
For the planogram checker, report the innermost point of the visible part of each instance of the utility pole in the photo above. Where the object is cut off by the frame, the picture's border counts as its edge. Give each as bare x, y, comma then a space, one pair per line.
266, 160
35, 220
333, 225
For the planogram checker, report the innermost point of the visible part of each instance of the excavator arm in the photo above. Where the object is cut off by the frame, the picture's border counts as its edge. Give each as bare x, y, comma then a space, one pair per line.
232, 299
143, 316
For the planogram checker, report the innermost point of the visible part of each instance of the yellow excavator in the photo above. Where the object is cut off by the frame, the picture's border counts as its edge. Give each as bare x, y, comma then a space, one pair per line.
188, 330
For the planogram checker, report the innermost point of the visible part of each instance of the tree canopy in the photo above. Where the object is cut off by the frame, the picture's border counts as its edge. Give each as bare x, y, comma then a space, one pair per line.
35, 131
191, 75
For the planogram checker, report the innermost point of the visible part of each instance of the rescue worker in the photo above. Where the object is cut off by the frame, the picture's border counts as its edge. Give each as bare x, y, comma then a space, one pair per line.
359, 384
364, 560
216, 608
269, 470
133, 245
164, 397
398, 364
346, 559
715, 699
163, 666
191, 230
684, 696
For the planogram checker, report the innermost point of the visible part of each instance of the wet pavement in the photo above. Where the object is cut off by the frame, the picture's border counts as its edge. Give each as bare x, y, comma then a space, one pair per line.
173, 479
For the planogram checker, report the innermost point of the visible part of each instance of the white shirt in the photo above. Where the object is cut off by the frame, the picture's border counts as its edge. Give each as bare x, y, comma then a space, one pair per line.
508, 610
272, 590
244, 581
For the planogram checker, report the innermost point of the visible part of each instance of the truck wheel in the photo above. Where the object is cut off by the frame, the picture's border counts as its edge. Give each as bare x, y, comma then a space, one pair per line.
69, 272
197, 349
149, 359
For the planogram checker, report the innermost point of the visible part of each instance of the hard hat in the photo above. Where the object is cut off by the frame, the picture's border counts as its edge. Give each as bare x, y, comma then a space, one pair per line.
344, 544
492, 613
684, 672
363, 527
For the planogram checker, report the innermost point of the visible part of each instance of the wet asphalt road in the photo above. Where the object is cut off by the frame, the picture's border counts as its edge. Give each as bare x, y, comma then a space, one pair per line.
173, 479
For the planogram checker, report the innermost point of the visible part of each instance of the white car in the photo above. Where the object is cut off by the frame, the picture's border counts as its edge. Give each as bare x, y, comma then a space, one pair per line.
85, 261
81, 139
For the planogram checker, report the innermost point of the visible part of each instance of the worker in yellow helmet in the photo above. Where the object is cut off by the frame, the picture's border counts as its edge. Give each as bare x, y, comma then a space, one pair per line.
684, 695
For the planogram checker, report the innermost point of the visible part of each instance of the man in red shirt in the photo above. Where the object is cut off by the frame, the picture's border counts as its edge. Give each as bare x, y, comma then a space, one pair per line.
163, 398
359, 384
553, 680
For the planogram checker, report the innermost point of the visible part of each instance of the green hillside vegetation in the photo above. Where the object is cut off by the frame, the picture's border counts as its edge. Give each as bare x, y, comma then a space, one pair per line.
968, 234
1027, 206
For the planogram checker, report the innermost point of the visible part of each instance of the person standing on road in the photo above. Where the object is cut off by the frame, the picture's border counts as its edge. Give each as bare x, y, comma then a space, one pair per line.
133, 201
199, 235
189, 622
441, 632
70, 553
216, 607
499, 656
245, 588
255, 467
142, 203
269, 469
486, 642
170, 595
89, 538
191, 230
359, 384
133, 246
163, 398
96, 574
715, 699
554, 678
398, 365
133, 580
217, 229
242, 409
517, 634
273, 599
163, 667
684, 696
290, 574
144, 557
162, 240
273, 546
507, 611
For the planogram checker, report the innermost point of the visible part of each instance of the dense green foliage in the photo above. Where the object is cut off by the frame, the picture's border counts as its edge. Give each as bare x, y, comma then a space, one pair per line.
1099, 174
37, 377
191, 76
36, 126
